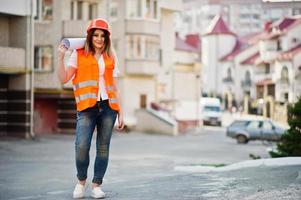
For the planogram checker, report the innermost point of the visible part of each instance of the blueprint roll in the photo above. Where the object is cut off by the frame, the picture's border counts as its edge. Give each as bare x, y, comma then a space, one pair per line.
74, 43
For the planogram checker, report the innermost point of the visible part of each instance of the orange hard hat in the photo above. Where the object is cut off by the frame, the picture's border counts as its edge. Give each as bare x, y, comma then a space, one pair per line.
99, 23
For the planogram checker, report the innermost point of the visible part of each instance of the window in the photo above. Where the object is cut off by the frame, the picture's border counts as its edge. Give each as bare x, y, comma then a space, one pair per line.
267, 126
114, 10
92, 11
44, 10
284, 74
143, 47
267, 68
254, 124
134, 8
43, 58
229, 73
72, 9
151, 9
82, 10
286, 96
146, 9
248, 78
279, 48
79, 10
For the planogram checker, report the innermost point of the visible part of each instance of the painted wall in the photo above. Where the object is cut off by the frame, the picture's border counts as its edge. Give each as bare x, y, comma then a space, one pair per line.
213, 48
133, 88
45, 116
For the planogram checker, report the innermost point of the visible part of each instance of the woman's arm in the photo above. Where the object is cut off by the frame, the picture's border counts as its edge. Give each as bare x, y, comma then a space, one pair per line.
63, 74
120, 113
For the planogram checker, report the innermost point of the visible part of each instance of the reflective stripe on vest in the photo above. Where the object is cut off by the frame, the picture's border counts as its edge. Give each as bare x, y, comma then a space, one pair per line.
85, 96
84, 84
113, 100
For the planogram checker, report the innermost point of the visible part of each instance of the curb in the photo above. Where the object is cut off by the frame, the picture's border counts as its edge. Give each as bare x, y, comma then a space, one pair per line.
286, 161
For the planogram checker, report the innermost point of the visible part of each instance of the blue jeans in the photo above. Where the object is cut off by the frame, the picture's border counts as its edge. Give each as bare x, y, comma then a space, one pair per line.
103, 117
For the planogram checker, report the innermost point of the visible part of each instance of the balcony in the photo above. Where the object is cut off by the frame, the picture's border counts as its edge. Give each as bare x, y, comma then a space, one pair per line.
12, 60
228, 80
75, 28
142, 67
139, 26
175, 5
259, 76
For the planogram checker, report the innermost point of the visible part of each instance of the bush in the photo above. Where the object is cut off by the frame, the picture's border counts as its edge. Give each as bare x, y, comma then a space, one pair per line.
290, 144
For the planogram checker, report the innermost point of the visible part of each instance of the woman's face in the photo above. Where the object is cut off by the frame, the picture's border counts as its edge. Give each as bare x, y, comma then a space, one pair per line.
98, 39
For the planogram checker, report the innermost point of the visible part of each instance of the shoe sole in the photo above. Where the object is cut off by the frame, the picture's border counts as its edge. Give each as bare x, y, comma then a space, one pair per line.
78, 197
102, 197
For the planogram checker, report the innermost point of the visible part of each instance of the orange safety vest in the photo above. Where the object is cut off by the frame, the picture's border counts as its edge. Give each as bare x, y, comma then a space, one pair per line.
86, 81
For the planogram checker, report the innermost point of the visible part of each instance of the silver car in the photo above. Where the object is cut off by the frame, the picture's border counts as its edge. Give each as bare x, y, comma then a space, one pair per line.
246, 130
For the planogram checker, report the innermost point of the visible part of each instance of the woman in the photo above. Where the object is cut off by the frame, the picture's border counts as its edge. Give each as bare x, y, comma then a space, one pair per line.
94, 73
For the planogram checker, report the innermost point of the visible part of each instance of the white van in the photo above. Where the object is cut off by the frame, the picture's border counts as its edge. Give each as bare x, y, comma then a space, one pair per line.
211, 111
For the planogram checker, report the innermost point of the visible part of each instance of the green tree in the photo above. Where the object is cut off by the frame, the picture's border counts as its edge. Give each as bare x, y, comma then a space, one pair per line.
290, 144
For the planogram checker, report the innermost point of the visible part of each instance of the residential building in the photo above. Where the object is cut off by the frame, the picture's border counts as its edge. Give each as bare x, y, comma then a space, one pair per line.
266, 69
185, 83
54, 105
16, 61
217, 42
142, 34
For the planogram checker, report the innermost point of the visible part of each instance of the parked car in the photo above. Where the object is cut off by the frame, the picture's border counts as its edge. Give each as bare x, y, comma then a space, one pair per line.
211, 112
246, 130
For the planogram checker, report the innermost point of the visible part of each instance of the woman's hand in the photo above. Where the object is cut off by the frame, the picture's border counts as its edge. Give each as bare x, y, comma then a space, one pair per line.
62, 50
120, 121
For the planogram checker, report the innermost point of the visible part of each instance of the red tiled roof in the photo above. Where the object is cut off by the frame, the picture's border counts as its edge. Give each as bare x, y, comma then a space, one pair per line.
183, 46
218, 26
250, 60
239, 46
289, 54
284, 23
280, 27
251, 38
193, 40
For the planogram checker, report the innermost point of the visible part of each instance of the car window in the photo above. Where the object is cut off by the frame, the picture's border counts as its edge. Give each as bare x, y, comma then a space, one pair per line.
267, 126
239, 123
254, 124
212, 108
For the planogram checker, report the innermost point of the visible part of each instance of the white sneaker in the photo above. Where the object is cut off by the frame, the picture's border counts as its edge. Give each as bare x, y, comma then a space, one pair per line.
97, 193
79, 191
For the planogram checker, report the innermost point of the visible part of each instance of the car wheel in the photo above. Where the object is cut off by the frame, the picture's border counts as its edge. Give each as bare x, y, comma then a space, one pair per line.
241, 139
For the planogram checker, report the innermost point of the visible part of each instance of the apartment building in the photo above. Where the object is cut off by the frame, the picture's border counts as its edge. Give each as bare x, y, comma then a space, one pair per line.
54, 106
142, 35
242, 16
16, 61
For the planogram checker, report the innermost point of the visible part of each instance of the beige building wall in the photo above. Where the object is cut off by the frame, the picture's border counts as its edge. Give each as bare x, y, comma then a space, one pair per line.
16, 53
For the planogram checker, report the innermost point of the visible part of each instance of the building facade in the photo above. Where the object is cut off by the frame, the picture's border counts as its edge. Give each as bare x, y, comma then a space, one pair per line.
16, 74
142, 35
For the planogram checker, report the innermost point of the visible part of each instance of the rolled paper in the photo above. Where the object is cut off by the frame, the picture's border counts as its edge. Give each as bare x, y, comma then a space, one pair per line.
74, 43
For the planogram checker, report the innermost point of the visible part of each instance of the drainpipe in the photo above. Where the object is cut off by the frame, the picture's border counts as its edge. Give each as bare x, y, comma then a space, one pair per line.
31, 63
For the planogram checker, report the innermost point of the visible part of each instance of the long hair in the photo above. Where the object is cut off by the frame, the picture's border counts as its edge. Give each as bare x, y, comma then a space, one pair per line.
89, 48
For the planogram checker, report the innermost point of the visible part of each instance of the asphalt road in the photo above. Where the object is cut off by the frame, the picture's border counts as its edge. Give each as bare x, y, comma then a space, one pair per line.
142, 166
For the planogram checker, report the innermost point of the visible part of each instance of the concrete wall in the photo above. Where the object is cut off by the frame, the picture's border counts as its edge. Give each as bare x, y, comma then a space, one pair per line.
133, 87
148, 121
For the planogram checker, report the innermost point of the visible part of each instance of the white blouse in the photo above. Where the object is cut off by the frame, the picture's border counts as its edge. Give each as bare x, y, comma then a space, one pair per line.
101, 65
